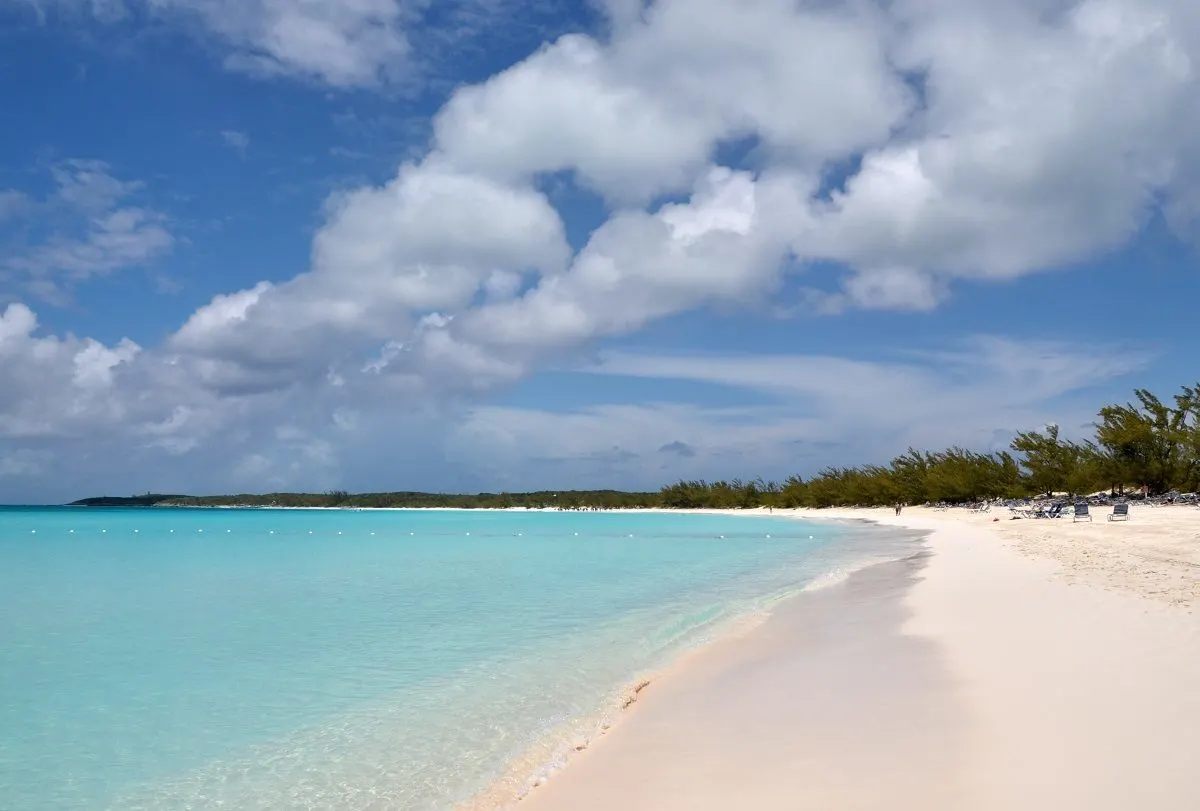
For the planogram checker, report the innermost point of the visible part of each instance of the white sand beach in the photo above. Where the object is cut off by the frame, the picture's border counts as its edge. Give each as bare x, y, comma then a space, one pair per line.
1016, 664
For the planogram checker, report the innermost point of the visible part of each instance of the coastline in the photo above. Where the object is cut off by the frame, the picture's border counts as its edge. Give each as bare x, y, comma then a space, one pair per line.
561, 747
1042, 665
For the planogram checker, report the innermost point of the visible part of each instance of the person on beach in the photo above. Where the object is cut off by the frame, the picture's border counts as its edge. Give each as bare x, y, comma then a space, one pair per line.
898, 506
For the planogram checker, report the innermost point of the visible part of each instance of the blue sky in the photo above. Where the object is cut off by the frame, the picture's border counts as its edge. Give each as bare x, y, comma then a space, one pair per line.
489, 244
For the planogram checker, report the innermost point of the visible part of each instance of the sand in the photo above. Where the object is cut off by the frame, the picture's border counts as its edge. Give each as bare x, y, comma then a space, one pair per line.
1027, 664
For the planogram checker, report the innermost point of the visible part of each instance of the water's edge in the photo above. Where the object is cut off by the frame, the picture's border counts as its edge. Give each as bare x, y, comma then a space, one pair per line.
554, 752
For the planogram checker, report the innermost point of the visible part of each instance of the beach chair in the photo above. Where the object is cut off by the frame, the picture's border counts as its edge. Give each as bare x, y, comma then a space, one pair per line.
1120, 513
1054, 512
1081, 512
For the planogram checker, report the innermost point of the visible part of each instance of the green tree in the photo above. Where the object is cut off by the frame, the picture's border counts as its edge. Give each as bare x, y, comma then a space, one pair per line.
1052, 463
1146, 443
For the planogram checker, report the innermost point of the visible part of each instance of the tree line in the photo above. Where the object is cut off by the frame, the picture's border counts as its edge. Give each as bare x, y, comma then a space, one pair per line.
1147, 443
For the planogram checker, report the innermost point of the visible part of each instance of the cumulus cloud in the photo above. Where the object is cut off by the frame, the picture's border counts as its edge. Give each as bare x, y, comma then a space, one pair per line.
1048, 141
642, 114
912, 163
55, 387
387, 263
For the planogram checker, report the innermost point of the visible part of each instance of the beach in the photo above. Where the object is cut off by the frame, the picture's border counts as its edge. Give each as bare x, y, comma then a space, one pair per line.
1032, 664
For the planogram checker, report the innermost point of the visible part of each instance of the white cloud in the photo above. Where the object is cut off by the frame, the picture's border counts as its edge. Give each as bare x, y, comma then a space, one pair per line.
117, 239
561, 109
87, 186
638, 267
1048, 141
236, 140
642, 115
985, 376
87, 227
344, 44
56, 387
430, 240
824, 410
81, 415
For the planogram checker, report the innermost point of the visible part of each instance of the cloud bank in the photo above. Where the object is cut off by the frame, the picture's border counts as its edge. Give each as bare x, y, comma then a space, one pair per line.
916, 146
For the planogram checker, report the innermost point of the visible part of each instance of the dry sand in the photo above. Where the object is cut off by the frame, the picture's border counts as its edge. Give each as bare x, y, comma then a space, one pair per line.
1028, 664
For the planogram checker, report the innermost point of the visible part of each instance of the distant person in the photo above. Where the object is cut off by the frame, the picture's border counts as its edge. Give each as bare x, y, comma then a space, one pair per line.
898, 506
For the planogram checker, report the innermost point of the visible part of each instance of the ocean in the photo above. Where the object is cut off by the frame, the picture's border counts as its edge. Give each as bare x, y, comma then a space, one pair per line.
165, 659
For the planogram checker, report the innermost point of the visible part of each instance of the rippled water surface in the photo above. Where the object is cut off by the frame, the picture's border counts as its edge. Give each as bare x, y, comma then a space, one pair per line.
264, 659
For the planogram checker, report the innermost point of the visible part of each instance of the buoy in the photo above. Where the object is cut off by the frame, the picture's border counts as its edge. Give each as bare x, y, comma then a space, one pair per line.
229, 530
33, 532
172, 530
768, 536
199, 530
103, 530
135, 530
72, 531
272, 532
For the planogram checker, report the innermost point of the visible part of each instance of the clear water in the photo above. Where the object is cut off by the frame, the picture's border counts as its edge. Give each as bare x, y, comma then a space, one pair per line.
264, 659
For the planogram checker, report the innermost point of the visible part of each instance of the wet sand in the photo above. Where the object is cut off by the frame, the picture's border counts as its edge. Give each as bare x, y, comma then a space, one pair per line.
1023, 664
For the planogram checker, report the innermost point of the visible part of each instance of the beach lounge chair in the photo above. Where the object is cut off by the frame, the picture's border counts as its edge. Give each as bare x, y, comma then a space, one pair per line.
1081, 512
1120, 513
1054, 512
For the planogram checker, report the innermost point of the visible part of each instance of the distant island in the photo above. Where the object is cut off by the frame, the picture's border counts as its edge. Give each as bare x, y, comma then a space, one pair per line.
546, 499
148, 500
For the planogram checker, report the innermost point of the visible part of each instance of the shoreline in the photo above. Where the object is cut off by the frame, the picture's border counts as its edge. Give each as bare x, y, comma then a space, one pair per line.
555, 753
980, 605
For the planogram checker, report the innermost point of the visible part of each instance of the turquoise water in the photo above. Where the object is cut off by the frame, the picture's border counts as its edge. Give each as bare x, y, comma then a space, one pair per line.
270, 659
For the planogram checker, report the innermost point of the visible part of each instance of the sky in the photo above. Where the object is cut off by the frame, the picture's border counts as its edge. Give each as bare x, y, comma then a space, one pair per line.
465, 245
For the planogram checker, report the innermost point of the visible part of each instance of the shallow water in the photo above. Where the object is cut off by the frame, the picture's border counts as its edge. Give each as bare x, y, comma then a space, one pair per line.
264, 659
